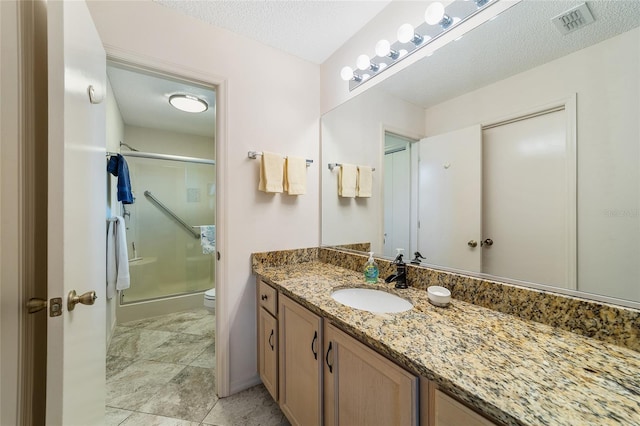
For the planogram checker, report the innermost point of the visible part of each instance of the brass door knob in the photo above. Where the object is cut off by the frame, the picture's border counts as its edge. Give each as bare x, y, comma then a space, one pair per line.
36, 305
488, 242
472, 243
87, 298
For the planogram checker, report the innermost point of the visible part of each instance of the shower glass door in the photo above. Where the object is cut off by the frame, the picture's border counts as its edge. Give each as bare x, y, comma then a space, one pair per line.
166, 259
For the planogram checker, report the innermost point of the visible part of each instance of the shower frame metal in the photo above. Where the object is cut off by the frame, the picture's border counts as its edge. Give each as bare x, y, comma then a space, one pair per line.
169, 157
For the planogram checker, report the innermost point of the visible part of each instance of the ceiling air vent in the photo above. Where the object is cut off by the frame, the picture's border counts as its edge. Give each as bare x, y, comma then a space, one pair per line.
573, 19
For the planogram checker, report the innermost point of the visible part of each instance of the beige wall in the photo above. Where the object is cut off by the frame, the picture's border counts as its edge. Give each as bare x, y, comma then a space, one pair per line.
605, 79
272, 105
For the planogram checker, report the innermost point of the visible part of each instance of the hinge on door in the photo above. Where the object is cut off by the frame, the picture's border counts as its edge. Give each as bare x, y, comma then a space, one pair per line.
418, 224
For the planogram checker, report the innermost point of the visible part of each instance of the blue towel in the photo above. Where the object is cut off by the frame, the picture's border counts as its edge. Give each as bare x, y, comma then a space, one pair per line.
117, 166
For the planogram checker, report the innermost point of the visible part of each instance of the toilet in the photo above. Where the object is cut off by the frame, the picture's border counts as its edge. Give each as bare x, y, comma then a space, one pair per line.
210, 300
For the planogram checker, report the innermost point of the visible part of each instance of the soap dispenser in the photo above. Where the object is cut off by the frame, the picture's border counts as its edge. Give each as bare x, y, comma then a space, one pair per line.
371, 270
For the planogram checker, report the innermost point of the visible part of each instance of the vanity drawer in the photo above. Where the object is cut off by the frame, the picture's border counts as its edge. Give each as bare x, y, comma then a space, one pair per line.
268, 297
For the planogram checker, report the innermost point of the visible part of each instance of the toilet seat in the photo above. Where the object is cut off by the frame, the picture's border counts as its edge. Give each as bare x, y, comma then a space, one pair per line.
210, 294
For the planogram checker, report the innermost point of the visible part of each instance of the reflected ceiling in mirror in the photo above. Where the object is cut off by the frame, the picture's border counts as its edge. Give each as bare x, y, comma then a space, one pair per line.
516, 63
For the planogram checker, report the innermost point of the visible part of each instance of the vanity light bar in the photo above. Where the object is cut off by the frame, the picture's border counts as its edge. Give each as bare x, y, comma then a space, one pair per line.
437, 21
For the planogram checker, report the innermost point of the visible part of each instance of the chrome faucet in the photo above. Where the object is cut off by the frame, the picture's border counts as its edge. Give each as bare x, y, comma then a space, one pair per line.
400, 277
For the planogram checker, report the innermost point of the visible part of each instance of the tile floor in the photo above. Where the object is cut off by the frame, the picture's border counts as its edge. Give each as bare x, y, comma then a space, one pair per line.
161, 371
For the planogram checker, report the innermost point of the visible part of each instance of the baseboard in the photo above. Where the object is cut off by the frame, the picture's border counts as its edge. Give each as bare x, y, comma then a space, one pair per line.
236, 387
152, 308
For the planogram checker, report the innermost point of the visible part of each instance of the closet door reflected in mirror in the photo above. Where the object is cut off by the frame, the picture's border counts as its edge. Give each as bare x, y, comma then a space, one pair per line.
449, 198
524, 201
495, 200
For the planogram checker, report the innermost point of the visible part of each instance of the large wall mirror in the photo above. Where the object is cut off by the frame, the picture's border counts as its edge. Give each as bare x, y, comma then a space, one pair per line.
511, 153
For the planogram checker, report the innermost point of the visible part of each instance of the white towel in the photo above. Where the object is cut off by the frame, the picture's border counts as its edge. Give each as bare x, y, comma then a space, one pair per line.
295, 176
365, 181
271, 172
117, 257
347, 176
208, 239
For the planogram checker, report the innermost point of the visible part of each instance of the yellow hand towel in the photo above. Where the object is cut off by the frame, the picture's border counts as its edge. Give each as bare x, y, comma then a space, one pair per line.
295, 176
271, 172
365, 181
347, 177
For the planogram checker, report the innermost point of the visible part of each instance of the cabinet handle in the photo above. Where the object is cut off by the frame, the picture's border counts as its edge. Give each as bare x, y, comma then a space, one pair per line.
264, 297
327, 359
313, 349
271, 337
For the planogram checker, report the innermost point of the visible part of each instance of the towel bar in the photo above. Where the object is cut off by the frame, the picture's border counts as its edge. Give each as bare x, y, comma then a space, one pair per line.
254, 154
334, 165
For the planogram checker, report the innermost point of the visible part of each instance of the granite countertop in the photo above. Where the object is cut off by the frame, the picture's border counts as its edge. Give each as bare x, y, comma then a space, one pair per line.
516, 371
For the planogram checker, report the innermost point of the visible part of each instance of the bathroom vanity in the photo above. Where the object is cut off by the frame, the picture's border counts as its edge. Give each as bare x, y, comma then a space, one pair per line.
327, 363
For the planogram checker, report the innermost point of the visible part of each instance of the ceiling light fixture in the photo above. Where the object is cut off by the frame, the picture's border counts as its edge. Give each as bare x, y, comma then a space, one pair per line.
437, 21
188, 103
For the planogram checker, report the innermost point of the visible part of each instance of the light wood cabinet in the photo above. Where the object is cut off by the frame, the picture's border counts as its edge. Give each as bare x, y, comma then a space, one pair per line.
300, 363
323, 376
268, 351
443, 410
267, 323
361, 387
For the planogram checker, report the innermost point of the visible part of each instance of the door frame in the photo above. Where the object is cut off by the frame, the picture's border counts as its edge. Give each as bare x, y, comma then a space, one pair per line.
569, 103
23, 210
413, 191
171, 69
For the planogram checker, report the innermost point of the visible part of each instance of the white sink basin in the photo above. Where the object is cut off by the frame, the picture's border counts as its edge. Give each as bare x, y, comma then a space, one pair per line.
367, 299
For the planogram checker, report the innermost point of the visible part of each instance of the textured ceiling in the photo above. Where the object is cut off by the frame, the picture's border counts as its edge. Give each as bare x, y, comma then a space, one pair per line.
143, 100
312, 30
520, 38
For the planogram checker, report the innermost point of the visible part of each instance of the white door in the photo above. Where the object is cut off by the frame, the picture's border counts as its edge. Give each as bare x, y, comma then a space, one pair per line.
449, 199
76, 216
397, 201
525, 191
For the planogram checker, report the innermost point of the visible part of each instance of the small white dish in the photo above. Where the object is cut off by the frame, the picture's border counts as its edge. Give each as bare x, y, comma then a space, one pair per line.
438, 295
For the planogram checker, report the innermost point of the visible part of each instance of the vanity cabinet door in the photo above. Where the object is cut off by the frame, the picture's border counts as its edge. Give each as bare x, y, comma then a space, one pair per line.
446, 411
268, 351
300, 363
361, 387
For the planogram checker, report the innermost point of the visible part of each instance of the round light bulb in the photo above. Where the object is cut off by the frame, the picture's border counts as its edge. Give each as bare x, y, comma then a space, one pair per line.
406, 33
363, 62
434, 13
346, 73
188, 103
383, 48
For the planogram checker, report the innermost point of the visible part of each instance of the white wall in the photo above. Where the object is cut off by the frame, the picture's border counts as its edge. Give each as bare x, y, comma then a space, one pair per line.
114, 134
272, 105
606, 80
345, 131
